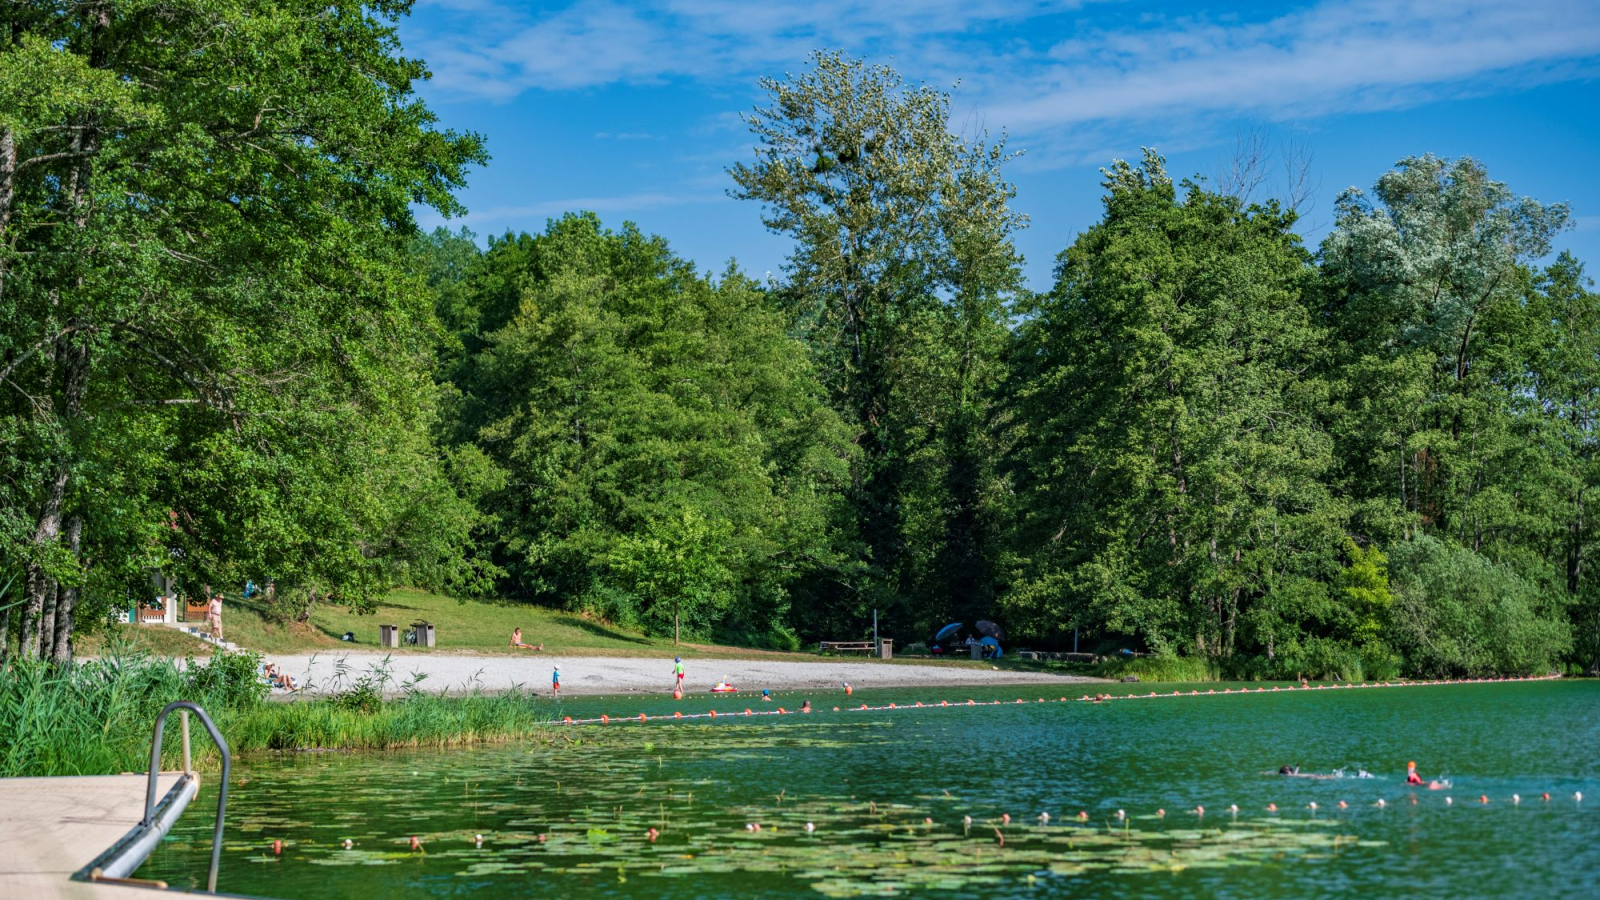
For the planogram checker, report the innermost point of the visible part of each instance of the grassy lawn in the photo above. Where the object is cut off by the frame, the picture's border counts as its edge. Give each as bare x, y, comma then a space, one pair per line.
460, 627
152, 639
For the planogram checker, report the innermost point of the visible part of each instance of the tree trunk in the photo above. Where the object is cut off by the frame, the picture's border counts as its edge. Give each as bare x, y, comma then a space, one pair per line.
62, 651
8, 174
47, 621
38, 583
674, 625
74, 382
5, 633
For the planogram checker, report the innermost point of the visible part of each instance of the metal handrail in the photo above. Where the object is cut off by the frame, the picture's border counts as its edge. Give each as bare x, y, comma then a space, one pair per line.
222, 792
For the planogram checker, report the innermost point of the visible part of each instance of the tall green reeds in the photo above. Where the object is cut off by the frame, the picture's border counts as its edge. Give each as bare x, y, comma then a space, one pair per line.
96, 718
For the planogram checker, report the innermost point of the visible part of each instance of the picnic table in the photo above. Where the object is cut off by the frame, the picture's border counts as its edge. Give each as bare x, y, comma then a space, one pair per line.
882, 647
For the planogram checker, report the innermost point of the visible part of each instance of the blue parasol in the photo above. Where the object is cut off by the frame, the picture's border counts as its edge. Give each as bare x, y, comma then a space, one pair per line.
947, 631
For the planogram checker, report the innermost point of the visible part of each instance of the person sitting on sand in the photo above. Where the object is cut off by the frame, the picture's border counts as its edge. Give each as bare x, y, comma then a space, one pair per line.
517, 644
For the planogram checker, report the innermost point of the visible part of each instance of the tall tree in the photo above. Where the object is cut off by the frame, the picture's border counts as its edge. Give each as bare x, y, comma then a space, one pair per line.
1166, 456
1423, 291
899, 280
210, 341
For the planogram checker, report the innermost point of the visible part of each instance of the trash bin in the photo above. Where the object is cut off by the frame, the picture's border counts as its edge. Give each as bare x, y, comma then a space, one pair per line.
977, 651
424, 634
886, 649
389, 636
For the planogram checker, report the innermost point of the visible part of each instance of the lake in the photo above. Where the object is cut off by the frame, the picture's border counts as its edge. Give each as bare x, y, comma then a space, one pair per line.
888, 794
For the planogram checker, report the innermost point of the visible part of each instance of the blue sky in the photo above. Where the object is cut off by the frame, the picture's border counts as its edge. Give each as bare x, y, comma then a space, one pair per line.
631, 110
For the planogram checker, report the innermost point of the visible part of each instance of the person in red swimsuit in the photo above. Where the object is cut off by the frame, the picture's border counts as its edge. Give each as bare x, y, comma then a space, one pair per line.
1411, 774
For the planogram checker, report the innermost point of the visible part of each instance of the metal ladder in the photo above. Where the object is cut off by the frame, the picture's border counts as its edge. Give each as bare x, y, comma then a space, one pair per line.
188, 768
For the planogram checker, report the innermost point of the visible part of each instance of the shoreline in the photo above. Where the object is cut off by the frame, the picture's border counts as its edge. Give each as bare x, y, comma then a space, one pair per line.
592, 676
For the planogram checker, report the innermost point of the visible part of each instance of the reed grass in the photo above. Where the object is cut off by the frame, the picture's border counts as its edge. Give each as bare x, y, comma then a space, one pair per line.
96, 718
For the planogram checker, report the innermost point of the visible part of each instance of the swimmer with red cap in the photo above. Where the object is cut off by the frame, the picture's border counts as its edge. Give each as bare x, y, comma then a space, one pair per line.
1411, 774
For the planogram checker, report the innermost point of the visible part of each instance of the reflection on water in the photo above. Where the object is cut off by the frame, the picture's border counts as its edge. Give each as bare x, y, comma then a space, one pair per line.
915, 800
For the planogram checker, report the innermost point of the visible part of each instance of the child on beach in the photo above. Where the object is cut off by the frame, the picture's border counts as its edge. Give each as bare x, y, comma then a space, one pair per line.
677, 669
555, 682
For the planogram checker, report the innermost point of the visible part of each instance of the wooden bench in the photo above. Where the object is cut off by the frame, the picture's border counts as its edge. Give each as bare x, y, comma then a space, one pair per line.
847, 646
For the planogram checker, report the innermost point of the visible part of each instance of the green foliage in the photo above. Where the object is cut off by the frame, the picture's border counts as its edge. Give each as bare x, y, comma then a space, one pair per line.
1457, 613
1164, 448
673, 569
204, 288
95, 718
1363, 589
663, 439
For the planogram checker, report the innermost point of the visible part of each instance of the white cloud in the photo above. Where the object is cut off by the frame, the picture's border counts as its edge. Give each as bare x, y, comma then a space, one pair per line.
1332, 58
1034, 66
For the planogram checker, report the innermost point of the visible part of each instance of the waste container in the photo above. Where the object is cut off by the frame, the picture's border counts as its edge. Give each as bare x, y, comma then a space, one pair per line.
977, 651
424, 634
885, 649
389, 636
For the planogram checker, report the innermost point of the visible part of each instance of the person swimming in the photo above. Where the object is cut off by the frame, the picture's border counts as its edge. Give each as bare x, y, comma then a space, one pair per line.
766, 695
1411, 774
1294, 772
806, 706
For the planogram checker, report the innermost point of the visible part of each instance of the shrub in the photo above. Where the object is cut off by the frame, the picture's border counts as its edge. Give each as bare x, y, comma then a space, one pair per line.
1458, 613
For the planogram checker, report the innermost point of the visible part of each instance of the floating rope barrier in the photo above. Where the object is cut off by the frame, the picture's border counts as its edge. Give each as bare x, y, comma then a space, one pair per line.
680, 716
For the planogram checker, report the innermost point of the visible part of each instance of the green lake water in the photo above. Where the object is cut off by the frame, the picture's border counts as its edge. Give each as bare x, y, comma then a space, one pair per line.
569, 816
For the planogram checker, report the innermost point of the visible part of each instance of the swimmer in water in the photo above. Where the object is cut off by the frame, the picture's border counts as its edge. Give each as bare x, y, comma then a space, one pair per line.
806, 706
766, 695
1294, 772
1411, 774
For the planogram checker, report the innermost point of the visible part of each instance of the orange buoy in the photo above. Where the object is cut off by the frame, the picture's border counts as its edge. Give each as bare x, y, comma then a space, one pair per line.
713, 714
567, 720
643, 717
677, 693
677, 715
605, 719
1483, 798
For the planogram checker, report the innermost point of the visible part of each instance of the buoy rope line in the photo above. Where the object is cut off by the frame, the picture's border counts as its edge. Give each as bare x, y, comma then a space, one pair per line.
1086, 698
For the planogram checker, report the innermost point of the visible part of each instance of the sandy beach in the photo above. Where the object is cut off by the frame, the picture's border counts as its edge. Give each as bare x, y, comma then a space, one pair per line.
443, 673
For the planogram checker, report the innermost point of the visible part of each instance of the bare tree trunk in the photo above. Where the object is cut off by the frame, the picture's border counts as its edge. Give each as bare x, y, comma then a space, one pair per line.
62, 651
5, 634
8, 175
47, 621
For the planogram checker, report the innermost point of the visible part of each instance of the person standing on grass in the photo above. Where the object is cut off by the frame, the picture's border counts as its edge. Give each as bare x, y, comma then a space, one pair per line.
555, 682
214, 617
677, 670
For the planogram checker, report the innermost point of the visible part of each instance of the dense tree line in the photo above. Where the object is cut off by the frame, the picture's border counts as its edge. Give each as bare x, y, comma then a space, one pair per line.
228, 352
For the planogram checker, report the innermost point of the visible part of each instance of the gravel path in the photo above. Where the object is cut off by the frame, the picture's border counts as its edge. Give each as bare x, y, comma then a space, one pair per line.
609, 675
